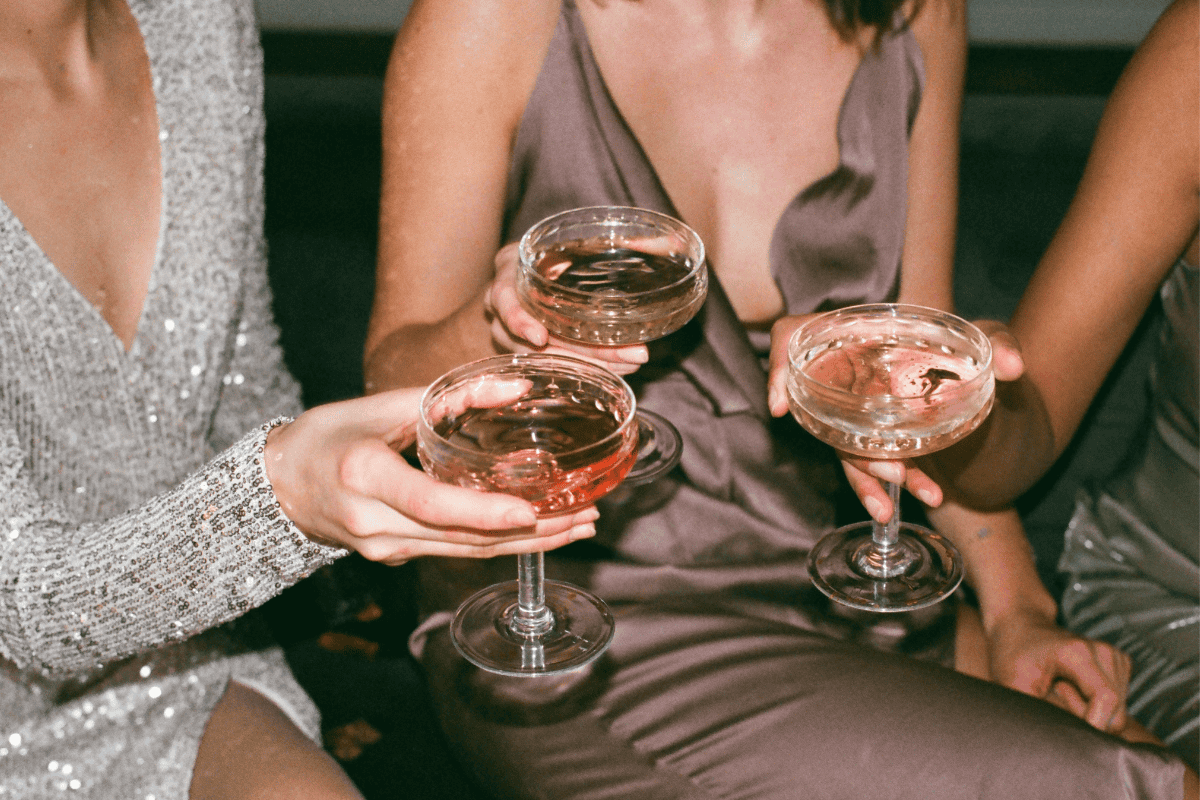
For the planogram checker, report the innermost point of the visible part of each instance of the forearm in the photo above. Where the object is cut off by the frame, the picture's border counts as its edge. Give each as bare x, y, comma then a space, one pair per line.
416, 354
998, 561
1013, 447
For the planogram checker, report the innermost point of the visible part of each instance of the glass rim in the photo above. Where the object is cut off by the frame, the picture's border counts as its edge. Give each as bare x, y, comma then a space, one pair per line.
797, 347
488, 365
525, 262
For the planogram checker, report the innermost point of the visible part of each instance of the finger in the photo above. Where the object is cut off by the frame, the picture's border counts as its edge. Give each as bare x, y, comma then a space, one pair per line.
1104, 698
923, 487
401, 549
619, 360
781, 334
1115, 666
870, 493
426, 500
667, 246
634, 354
386, 534
483, 391
1064, 695
506, 305
507, 342
1007, 362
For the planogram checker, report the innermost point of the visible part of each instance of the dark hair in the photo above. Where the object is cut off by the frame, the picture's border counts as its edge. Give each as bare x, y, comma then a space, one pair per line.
851, 16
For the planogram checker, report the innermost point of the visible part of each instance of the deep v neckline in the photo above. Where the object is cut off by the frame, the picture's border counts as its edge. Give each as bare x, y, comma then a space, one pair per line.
57, 276
846, 144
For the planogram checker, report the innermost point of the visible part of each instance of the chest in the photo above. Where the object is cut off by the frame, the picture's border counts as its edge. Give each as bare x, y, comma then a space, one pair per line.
80, 167
737, 117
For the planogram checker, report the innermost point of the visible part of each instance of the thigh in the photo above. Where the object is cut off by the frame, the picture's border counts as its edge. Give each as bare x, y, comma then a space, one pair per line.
252, 751
707, 704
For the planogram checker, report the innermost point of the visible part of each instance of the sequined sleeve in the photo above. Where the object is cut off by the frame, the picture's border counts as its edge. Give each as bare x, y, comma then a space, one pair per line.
75, 596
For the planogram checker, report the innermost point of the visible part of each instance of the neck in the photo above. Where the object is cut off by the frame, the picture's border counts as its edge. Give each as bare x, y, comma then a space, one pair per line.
53, 38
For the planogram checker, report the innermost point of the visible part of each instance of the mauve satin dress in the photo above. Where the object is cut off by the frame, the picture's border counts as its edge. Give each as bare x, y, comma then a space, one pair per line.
729, 675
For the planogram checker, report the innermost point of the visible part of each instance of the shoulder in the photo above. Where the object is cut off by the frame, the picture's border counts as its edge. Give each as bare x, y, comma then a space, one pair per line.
1156, 99
940, 26
1169, 57
473, 50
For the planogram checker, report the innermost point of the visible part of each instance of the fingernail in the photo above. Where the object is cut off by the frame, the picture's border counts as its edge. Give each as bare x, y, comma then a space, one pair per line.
520, 517
873, 506
638, 356
927, 497
585, 531
589, 515
772, 397
887, 471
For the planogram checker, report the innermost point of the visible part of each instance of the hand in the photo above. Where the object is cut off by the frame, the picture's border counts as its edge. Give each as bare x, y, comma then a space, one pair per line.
339, 477
864, 474
515, 330
1028, 652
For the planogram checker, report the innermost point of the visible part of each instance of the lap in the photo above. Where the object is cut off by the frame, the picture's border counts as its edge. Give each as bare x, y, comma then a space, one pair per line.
710, 703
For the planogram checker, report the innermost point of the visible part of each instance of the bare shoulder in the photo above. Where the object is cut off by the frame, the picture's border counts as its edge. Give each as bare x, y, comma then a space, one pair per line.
1167, 63
464, 50
939, 25
1156, 99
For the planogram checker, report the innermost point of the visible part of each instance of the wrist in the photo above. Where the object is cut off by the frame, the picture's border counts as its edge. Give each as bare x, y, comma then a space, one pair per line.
1036, 607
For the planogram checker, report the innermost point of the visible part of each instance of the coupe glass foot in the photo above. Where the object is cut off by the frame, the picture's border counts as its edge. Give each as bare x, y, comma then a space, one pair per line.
580, 631
659, 448
921, 569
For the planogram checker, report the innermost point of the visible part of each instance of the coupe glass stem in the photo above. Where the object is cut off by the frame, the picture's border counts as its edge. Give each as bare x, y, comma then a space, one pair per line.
887, 534
531, 617
884, 557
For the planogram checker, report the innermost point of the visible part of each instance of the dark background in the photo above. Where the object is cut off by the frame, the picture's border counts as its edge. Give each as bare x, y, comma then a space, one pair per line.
1029, 117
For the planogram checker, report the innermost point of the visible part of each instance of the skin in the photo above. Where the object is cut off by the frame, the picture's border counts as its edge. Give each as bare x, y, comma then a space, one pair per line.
79, 166
727, 151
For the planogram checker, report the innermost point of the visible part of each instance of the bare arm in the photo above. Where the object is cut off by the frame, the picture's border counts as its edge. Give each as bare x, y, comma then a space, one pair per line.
927, 268
460, 74
1134, 214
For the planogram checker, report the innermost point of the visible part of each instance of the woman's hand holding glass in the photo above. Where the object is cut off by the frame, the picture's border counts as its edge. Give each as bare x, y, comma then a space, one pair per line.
516, 330
866, 476
338, 474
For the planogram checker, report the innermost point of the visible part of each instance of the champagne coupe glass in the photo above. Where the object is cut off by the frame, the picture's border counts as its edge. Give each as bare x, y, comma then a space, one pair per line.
888, 381
556, 431
611, 276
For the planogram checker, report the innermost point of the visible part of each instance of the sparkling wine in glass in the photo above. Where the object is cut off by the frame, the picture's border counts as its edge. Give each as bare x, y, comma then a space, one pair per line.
612, 276
888, 381
556, 431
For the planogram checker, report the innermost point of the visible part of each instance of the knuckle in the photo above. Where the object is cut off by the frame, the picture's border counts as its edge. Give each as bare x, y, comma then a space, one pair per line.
357, 523
352, 471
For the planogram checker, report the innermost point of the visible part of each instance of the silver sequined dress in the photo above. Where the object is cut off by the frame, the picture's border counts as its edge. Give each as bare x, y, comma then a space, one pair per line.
135, 515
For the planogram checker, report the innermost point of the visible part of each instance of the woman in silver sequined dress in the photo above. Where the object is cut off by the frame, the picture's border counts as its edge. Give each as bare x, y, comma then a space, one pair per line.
143, 501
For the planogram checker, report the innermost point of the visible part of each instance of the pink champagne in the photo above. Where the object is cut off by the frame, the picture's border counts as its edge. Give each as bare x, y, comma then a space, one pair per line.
557, 452
590, 291
888, 396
